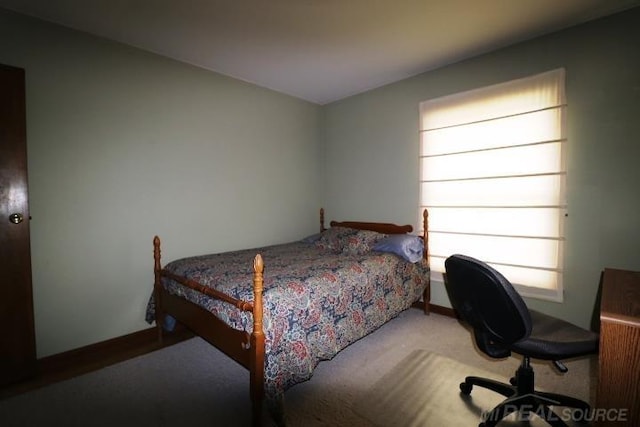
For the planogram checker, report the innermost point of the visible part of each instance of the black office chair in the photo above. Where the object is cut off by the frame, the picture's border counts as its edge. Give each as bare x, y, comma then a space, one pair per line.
502, 324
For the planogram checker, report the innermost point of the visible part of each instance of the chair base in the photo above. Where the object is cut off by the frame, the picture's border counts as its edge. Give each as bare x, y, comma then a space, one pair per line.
521, 396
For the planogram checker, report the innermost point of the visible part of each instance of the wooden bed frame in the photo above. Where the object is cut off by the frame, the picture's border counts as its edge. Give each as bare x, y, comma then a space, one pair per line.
247, 349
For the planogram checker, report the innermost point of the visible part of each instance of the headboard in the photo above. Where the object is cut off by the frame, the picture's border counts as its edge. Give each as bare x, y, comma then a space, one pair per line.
383, 227
380, 227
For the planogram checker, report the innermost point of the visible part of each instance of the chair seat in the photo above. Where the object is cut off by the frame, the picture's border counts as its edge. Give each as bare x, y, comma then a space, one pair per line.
554, 339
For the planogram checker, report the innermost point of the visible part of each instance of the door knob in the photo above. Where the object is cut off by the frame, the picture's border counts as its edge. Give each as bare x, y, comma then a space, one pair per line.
16, 218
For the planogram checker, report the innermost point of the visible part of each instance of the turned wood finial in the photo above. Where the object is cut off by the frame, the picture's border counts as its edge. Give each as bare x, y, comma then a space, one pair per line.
156, 253
425, 227
258, 264
258, 282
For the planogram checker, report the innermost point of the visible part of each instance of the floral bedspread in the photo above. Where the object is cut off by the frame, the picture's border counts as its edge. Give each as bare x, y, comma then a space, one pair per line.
316, 302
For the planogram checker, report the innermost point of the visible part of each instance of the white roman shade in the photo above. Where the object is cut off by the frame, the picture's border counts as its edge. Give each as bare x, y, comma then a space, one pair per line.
493, 178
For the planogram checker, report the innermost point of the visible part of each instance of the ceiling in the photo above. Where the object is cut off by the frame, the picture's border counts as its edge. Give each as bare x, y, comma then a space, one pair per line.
318, 50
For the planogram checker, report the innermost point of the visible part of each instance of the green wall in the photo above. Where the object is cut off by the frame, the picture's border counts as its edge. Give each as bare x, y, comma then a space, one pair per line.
371, 147
123, 145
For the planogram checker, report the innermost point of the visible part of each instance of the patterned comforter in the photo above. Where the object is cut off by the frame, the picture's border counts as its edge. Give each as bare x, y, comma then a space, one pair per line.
316, 301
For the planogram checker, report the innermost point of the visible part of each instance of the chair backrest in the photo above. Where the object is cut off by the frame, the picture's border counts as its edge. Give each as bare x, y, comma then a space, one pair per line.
487, 301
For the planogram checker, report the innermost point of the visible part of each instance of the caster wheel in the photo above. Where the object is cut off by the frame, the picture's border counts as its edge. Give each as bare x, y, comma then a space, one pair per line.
465, 388
513, 381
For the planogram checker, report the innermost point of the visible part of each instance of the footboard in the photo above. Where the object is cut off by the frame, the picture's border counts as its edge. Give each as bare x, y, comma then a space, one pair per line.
247, 349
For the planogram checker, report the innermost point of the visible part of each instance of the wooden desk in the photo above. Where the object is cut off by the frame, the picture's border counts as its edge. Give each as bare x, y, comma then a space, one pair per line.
619, 362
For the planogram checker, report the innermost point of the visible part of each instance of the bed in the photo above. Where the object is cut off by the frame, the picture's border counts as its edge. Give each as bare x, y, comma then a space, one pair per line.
313, 298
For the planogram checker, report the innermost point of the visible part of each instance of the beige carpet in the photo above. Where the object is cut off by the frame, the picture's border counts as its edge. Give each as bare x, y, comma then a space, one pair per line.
423, 390
192, 384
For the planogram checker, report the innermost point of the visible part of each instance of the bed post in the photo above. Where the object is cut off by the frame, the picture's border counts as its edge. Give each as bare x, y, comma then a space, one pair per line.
257, 344
322, 220
426, 296
157, 287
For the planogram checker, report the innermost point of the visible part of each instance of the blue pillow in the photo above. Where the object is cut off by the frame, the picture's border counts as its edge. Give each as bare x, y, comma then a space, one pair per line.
407, 246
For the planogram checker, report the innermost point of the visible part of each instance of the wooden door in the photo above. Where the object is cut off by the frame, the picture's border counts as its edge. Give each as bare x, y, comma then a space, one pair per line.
17, 340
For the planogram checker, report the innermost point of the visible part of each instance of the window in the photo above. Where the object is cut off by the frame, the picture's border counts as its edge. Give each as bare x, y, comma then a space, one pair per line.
493, 179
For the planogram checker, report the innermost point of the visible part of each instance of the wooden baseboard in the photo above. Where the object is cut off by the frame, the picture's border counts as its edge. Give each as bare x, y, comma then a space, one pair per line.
440, 309
437, 309
80, 361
